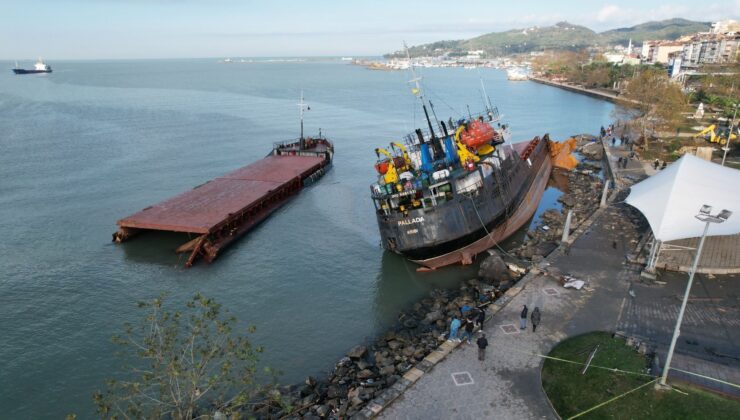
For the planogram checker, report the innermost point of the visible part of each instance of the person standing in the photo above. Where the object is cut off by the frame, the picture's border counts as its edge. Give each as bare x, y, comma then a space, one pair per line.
482, 344
481, 317
468, 331
523, 318
535, 318
454, 327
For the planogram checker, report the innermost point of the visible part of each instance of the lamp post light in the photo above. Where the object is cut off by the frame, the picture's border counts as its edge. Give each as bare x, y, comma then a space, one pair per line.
704, 216
729, 135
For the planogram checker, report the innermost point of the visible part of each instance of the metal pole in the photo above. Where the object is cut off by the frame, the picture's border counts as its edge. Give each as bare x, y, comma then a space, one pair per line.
603, 194
566, 227
677, 330
729, 136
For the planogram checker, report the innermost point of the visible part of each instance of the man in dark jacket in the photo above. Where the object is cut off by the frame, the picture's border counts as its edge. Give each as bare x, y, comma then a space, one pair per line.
523, 318
535, 318
482, 344
468, 330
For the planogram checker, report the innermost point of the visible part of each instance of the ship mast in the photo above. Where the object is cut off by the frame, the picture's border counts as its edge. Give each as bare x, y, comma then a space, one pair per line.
418, 93
303, 106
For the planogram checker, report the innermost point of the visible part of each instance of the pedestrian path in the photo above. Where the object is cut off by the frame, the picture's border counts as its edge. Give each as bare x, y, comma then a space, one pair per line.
507, 384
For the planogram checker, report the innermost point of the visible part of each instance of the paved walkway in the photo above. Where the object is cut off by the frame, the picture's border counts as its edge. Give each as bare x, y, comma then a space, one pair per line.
507, 384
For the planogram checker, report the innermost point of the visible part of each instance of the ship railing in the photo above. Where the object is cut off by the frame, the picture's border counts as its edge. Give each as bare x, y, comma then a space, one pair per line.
386, 196
471, 190
489, 116
289, 143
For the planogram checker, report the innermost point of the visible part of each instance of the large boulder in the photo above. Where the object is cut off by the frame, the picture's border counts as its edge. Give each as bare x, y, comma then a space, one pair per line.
434, 316
593, 151
357, 353
493, 268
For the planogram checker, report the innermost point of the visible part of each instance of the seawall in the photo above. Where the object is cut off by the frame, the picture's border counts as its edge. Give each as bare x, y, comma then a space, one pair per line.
577, 89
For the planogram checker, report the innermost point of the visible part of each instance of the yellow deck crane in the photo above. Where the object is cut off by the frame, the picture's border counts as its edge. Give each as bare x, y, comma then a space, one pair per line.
462, 151
391, 175
404, 153
713, 136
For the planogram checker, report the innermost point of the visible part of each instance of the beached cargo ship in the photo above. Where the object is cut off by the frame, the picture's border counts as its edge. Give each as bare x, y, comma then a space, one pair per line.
448, 193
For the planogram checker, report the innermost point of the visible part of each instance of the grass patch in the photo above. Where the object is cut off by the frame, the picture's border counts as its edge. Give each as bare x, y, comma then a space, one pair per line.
572, 393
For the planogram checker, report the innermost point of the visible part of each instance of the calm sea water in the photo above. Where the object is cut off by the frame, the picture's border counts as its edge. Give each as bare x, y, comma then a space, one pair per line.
96, 141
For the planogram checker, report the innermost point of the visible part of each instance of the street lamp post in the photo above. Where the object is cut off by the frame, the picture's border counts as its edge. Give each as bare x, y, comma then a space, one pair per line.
704, 216
729, 135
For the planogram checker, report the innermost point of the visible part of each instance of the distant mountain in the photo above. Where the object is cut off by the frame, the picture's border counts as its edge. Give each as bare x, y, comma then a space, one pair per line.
665, 29
562, 35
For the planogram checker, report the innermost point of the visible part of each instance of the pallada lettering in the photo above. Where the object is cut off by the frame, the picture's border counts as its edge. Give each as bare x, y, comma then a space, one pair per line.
410, 221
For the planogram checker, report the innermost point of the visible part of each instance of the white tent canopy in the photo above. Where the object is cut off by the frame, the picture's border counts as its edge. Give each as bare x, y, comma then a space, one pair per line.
671, 198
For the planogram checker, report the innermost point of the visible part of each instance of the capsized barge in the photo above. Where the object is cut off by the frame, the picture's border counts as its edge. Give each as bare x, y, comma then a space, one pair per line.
223, 209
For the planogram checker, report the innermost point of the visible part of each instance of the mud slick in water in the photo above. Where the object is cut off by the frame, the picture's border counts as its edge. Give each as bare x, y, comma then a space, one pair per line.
367, 370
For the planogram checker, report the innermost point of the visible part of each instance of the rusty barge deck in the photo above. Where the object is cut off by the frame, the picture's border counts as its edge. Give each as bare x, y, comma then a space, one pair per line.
227, 207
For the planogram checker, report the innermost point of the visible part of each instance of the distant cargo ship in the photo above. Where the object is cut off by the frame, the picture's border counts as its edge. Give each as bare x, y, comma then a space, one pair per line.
39, 67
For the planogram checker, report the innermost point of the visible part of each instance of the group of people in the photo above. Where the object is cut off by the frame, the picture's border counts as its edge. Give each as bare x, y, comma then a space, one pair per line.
474, 317
535, 317
657, 164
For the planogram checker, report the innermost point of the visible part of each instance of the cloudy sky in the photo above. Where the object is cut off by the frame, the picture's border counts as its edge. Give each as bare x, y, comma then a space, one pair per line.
113, 29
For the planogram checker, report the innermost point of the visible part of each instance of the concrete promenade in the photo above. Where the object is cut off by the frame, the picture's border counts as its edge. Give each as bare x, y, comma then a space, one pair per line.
578, 89
507, 384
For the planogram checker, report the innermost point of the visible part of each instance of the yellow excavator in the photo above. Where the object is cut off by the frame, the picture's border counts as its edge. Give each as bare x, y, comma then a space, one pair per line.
713, 136
462, 151
390, 176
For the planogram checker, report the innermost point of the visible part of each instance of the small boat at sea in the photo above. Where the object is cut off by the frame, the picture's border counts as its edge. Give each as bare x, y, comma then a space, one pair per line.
516, 74
457, 188
39, 67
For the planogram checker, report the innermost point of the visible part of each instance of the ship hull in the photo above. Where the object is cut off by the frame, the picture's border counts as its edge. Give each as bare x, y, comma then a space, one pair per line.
25, 71
469, 224
501, 231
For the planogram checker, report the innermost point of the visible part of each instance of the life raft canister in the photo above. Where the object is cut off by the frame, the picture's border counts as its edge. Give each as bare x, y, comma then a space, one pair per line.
382, 166
477, 133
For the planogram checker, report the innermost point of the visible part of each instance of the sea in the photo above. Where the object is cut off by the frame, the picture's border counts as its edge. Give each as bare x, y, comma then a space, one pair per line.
95, 141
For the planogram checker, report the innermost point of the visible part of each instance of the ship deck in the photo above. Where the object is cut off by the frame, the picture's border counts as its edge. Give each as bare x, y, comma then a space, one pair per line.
226, 206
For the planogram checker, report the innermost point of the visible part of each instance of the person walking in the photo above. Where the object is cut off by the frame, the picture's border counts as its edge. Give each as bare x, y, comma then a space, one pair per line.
523, 318
482, 344
454, 327
535, 318
468, 331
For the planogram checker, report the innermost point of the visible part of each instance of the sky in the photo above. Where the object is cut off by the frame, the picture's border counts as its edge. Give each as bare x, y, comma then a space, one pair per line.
122, 29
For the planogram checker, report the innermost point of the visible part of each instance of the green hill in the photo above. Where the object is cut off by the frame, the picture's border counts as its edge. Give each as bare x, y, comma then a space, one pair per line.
562, 35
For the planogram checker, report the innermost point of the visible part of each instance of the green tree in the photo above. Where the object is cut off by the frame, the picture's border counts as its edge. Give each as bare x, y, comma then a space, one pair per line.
189, 363
658, 101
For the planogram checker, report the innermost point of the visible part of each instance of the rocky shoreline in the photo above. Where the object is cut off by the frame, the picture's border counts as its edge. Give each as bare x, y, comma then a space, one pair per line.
367, 370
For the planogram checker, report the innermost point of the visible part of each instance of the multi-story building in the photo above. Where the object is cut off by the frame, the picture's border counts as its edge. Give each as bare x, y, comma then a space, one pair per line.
711, 49
659, 51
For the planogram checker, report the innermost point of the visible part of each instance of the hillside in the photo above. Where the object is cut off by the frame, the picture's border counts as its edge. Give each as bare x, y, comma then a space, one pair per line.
562, 35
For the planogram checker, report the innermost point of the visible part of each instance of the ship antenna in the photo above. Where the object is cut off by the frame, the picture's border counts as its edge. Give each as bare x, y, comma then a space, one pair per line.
302, 107
417, 89
487, 99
